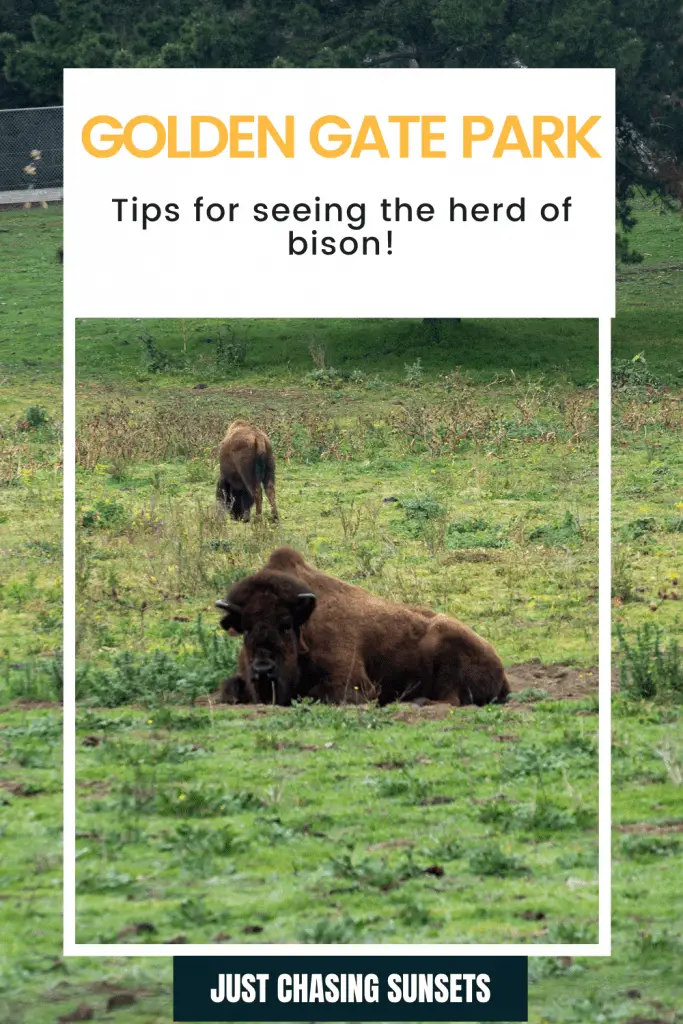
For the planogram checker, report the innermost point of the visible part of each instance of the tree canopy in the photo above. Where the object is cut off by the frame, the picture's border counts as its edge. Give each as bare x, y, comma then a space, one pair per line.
642, 39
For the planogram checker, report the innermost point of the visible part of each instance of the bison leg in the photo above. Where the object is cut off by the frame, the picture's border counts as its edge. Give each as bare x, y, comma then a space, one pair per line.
258, 499
223, 495
269, 486
270, 494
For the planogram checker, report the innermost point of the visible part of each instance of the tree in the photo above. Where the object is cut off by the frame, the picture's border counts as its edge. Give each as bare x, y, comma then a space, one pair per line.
642, 39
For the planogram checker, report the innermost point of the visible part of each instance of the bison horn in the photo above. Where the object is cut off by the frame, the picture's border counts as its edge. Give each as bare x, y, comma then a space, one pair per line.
226, 606
305, 603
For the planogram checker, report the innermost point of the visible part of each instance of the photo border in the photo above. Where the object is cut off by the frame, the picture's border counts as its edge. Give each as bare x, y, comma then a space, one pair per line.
604, 944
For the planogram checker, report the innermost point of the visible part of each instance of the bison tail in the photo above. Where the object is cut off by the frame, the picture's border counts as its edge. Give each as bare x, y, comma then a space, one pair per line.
260, 460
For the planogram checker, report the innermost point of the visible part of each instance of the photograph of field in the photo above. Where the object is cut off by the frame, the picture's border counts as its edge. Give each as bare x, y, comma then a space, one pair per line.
641, 979
407, 459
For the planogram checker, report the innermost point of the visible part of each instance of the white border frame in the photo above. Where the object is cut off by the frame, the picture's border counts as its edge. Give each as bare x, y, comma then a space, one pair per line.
117, 949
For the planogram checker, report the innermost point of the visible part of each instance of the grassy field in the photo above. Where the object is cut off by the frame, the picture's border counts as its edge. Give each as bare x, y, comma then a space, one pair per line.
641, 980
474, 496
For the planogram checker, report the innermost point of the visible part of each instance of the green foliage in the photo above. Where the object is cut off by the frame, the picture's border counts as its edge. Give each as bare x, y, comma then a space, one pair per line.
34, 417
640, 38
491, 859
639, 847
642, 527
632, 374
567, 531
324, 377
650, 667
105, 514
474, 533
414, 374
154, 359
231, 350
159, 678
423, 509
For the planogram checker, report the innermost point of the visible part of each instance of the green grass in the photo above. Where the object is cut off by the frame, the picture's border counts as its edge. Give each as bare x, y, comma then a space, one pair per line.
641, 980
291, 825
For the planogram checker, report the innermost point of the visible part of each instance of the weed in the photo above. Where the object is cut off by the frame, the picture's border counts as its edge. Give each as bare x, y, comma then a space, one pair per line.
339, 930
158, 678
474, 533
657, 943
422, 510
193, 911
34, 418
154, 359
650, 667
230, 351
571, 932
577, 859
638, 528
415, 915
623, 586
557, 534
414, 374
531, 695
199, 801
635, 847
105, 514
498, 812
633, 374
490, 859
196, 846
324, 377
413, 789
369, 872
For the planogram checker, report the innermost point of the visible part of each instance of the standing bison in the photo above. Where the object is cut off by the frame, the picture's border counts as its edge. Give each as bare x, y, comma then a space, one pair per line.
307, 634
246, 464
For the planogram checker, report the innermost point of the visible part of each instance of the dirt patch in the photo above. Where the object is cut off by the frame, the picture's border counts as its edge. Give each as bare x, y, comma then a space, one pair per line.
644, 828
22, 704
560, 682
20, 788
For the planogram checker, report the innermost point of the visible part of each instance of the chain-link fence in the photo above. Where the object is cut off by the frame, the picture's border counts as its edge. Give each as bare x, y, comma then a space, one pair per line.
31, 140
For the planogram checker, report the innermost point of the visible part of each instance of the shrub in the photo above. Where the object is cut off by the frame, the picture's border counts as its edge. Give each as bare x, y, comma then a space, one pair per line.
638, 528
650, 669
421, 510
623, 587
631, 374
230, 352
154, 359
414, 374
159, 678
635, 847
558, 534
473, 533
106, 514
490, 859
34, 417
324, 377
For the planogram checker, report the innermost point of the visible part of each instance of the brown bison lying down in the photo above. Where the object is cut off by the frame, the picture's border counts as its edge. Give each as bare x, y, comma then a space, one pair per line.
307, 634
246, 463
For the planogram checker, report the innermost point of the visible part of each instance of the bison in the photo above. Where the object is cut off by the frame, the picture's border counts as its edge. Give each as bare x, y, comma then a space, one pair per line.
307, 634
246, 464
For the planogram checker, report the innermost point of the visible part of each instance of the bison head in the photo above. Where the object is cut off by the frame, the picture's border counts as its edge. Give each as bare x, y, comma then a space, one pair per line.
269, 609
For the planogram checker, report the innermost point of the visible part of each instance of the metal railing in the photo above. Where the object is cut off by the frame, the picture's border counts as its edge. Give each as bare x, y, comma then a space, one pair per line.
31, 153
